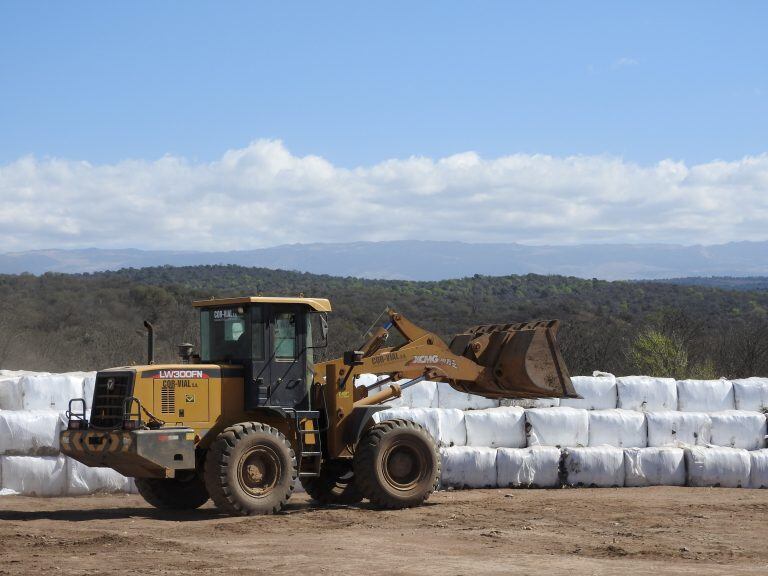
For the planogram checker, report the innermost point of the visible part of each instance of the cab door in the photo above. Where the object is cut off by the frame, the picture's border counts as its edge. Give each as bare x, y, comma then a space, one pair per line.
288, 370
257, 370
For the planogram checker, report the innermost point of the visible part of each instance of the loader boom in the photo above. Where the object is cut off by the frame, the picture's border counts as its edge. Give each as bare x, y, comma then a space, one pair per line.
494, 361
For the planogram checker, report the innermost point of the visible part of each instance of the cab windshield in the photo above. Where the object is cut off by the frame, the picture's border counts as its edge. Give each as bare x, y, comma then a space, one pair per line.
225, 334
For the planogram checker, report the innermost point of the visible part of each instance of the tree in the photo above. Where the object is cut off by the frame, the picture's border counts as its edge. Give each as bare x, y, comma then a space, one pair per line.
657, 354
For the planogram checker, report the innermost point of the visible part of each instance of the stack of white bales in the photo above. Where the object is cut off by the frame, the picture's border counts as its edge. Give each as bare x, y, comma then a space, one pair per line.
32, 413
628, 431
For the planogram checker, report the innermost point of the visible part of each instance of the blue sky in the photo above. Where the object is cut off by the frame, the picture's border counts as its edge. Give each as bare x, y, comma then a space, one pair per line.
359, 83
226, 125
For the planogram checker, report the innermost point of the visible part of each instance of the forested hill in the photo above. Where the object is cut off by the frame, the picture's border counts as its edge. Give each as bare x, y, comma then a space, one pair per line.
87, 321
730, 282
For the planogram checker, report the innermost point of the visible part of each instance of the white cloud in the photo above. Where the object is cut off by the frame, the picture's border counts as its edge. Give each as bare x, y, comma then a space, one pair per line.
263, 195
624, 62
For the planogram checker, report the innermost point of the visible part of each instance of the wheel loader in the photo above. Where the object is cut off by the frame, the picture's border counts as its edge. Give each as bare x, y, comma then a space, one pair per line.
250, 414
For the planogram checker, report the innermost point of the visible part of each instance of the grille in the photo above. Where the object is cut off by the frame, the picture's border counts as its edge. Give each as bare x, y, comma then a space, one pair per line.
109, 400
168, 400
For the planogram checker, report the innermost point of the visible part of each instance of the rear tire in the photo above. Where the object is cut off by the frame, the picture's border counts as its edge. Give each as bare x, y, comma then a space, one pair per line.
397, 464
184, 493
250, 469
335, 485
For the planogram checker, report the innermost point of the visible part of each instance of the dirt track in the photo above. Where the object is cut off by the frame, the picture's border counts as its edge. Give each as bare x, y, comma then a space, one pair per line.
600, 531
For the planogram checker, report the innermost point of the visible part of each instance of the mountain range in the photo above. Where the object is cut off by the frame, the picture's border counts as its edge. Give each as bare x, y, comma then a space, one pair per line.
427, 260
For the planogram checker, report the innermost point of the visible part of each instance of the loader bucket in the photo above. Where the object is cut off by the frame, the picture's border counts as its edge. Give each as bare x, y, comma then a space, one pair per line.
519, 361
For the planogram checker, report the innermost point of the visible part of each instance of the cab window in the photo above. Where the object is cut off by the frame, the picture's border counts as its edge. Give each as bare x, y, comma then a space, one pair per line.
285, 336
224, 334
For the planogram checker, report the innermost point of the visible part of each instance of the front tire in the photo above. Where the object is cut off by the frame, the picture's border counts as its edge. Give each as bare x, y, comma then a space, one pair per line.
183, 493
250, 469
335, 485
397, 464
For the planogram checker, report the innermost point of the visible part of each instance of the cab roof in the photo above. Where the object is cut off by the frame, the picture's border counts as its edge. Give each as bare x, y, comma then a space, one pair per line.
319, 304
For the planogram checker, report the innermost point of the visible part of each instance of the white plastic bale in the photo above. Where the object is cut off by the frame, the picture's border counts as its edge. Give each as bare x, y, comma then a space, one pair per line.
646, 393
35, 475
82, 479
366, 380
29, 433
705, 395
421, 395
496, 427
10, 393
89, 383
536, 467
738, 429
598, 466
751, 394
530, 402
758, 469
446, 426
715, 466
427, 417
468, 467
654, 467
50, 392
452, 427
619, 428
597, 392
560, 426
448, 397
678, 429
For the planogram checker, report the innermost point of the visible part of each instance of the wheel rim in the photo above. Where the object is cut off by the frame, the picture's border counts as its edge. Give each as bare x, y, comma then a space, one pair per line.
404, 465
259, 471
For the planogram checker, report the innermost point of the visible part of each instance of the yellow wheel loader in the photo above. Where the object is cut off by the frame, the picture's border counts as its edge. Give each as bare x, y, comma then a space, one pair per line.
251, 413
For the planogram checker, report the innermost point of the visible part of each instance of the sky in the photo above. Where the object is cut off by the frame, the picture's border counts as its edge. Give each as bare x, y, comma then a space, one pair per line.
213, 125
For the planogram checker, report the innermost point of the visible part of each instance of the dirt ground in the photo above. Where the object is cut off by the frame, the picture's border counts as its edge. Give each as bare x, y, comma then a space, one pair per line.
585, 531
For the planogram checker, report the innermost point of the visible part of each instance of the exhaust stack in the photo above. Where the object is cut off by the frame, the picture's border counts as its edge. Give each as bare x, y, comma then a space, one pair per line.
150, 342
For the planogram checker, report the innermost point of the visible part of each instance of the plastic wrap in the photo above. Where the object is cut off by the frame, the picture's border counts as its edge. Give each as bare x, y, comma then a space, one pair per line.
646, 393
537, 467
453, 428
705, 395
10, 393
530, 402
448, 397
619, 428
427, 417
758, 469
28, 433
678, 429
751, 394
599, 466
446, 426
468, 467
654, 467
50, 392
598, 392
557, 427
34, 475
738, 429
496, 427
82, 479
715, 466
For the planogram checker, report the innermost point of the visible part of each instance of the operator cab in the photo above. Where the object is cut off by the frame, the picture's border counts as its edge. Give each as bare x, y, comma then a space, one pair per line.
272, 338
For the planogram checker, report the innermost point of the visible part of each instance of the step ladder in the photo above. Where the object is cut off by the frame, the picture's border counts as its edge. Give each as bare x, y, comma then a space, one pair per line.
310, 456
